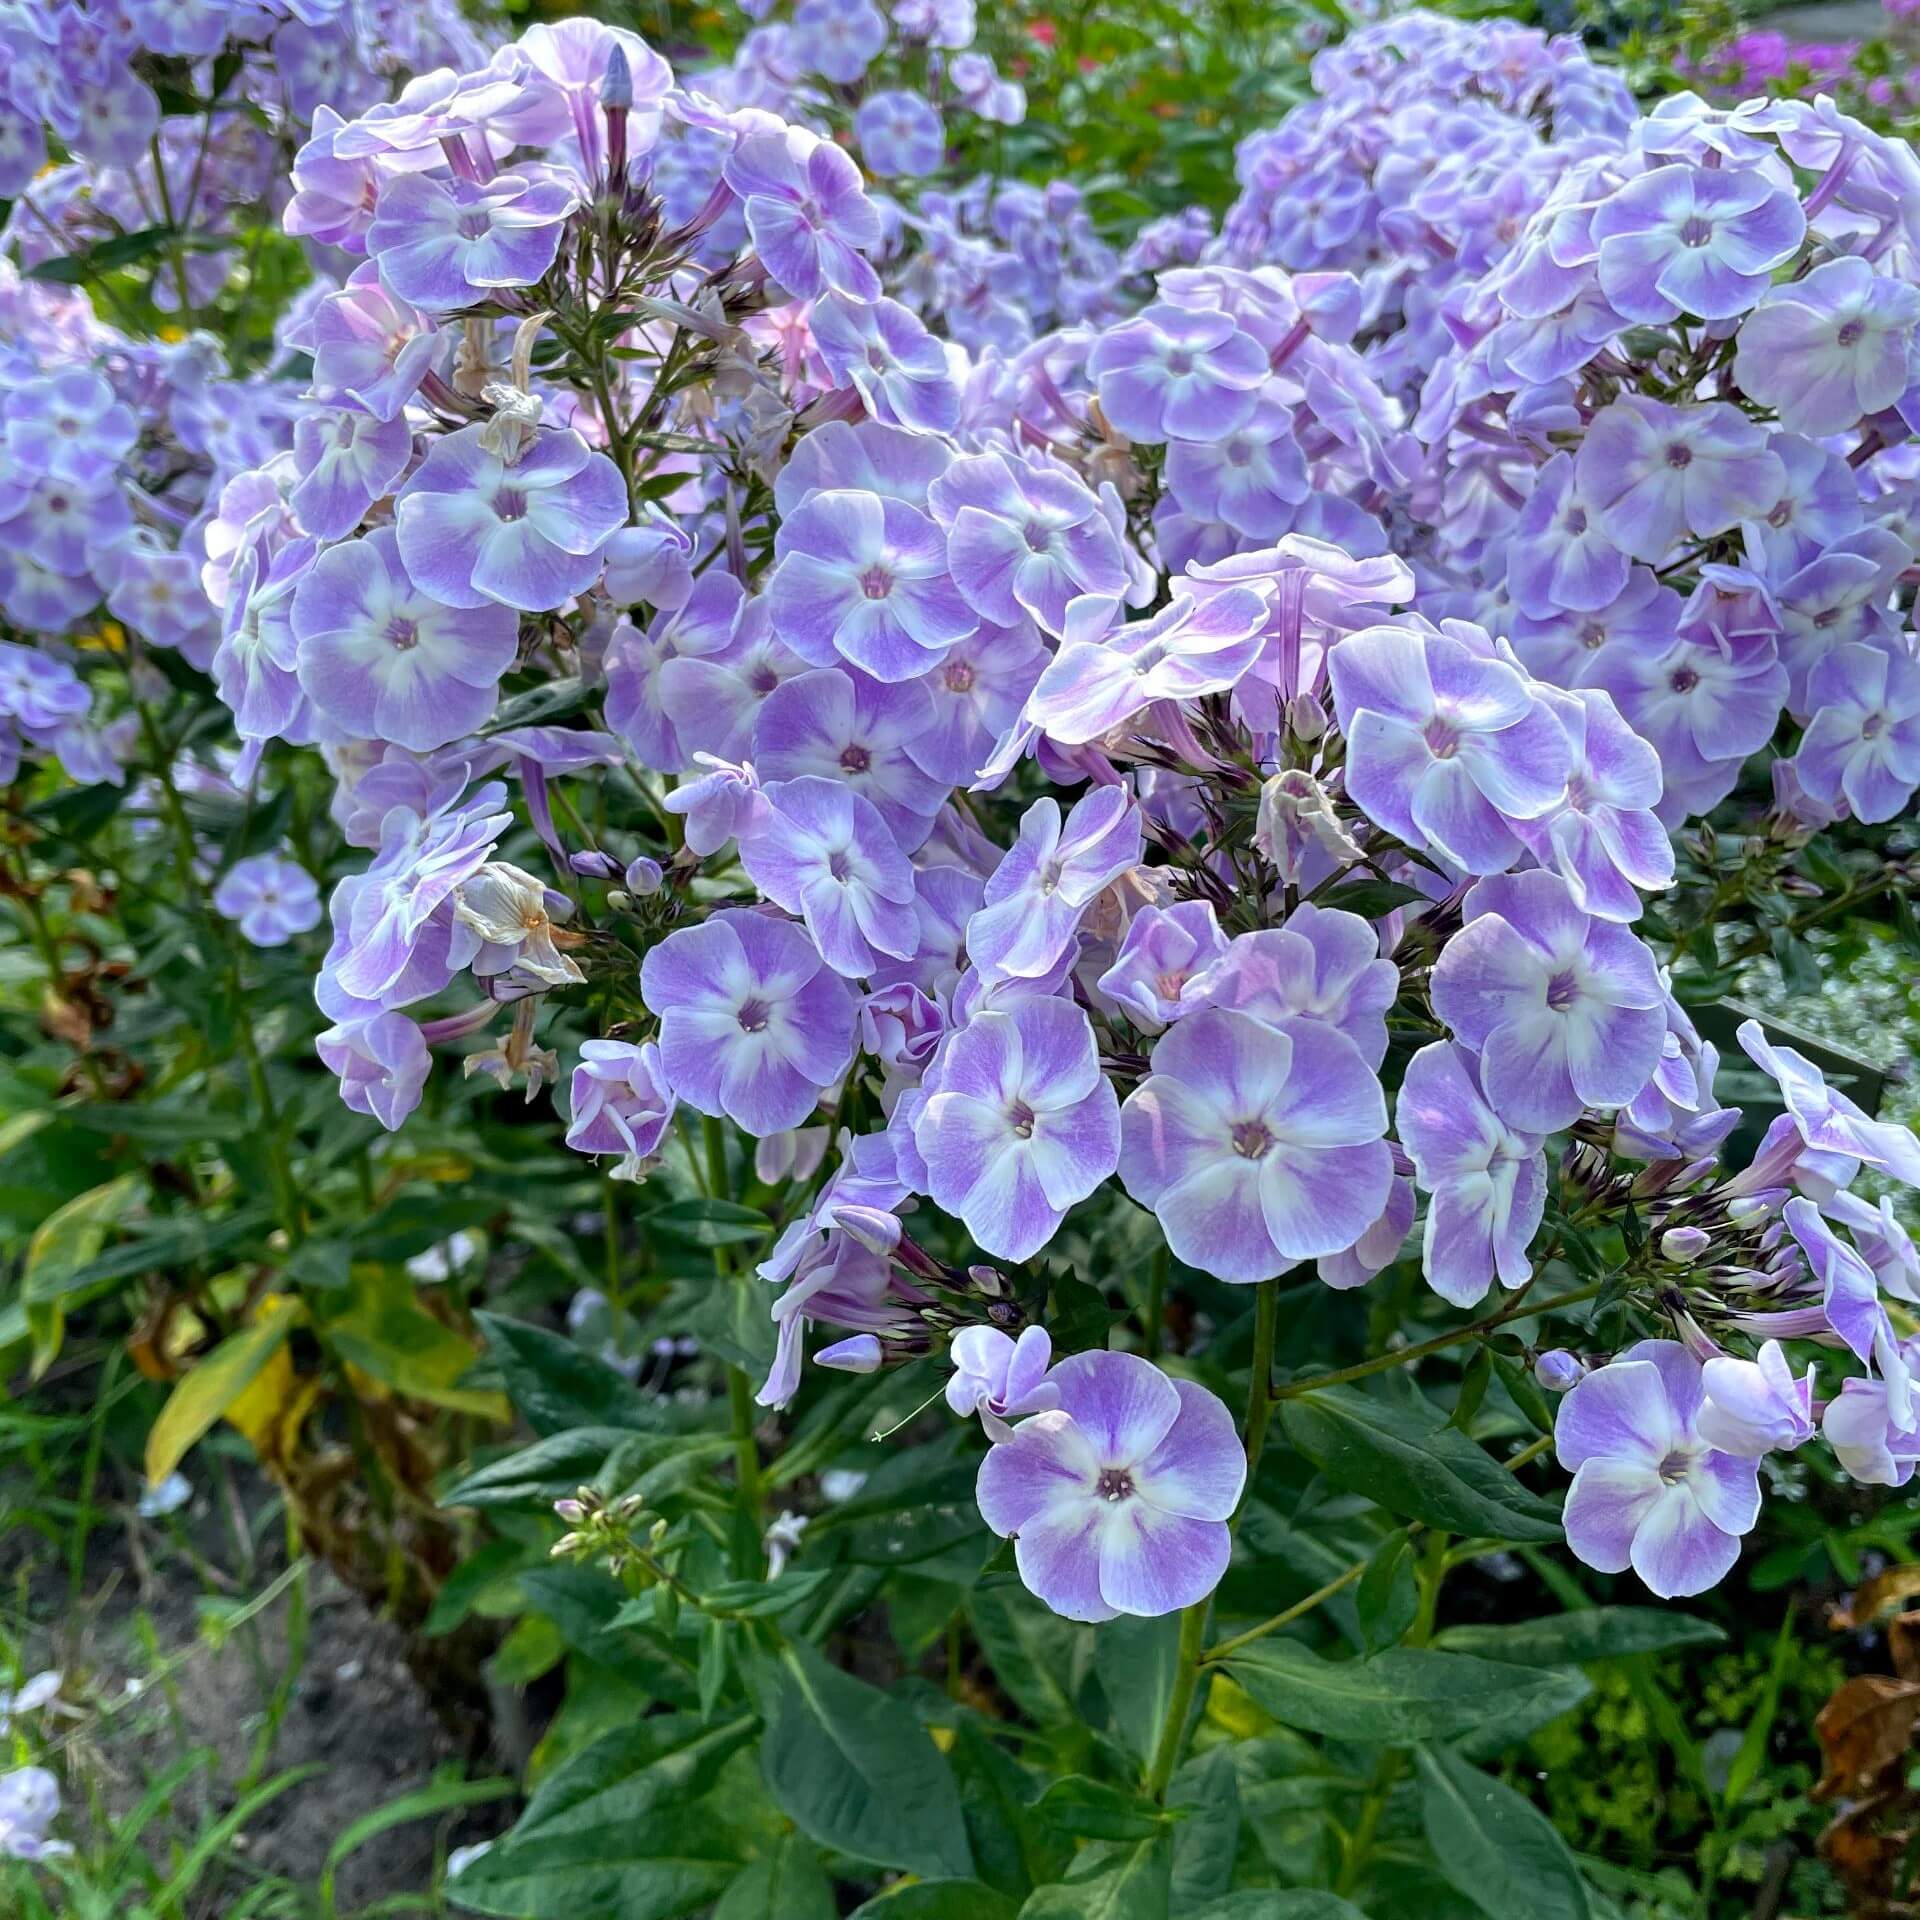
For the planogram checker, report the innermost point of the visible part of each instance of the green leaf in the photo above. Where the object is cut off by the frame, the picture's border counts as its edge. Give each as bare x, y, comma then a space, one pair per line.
1096, 1810
1252, 1904
613, 1832
1136, 1662
1388, 1596
1403, 1695
1109, 1884
706, 1223
538, 1475
1370, 899
1035, 1655
1207, 1790
855, 1770
1404, 1458
763, 1599
1575, 1639
936, 1900
1495, 1846
66, 1242
439, 1796
557, 1385
1752, 1753
787, 1881
199, 1398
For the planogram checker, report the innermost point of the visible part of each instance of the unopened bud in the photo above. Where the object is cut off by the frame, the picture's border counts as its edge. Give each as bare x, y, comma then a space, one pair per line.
1557, 1369
594, 864
1684, 1245
874, 1229
643, 876
572, 1511
616, 85
987, 1280
863, 1353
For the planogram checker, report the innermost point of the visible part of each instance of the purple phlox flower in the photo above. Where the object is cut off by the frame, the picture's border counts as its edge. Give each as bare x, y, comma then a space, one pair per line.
68, 425
1020, 1126
838, 1282
1252, 479
1190, 648
1862, 746
1322, 965
838, 39
1648, 1491
1829, 348
1561, 559
1566, 648
1487, 1181
1820, 507
1824, 1117
900, 134
794, 1154
1652, 473
840, 725
819, 850
512, 914
446, 244
1036, 897
1162, 963
862, 456
1675, 1115
621, 1104
713, 700
23, 150
1697, 240
1605, 842
371, 348
1376, 1249
333, 197
1756, 1406
902, 1027
1565, 1010
866, 1177
348, 459
1850, 1301
1000, 1378
381, 1062
1023, 538
383, 660
945, 899
806, 211
1171, 373
650, 563
1256, 1148
977, 692
1839, 597
55, 522
29, 1805
718, 805
1871, 1445
1445, 747
422, 859
38, 693
271, 898
709, 626
1883, 1242
529, 533
253, 666
156, 591
897, 367
1118, 1500
865, 579
1296, 830
754, 1025
577, 58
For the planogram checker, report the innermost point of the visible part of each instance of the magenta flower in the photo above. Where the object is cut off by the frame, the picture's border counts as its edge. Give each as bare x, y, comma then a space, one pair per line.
1861, 749
1163, 962
1171, 373
1699, 240
808, 216
1605, 842
865, 579
1487, 1181
382, 660
1024, 539
1190, 648
528, 533
1648, 1491
1829, 348
1035, 898
819, 850
1653, 473
1000, 1378
1323, 965
1018, 1125
347, 461
1564, 1010
897, 367
444, 244
754, 1025
1446, 747
1118, 1501
621, 1104
381, 1062
1256, 1148
838, 724
270, 898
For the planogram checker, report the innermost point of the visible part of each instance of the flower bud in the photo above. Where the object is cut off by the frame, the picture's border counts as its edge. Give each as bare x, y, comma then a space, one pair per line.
572, 1511
616, 85
878, 1232
1684, 1245
643, 877
860, 1354
594, 864
1557, 1369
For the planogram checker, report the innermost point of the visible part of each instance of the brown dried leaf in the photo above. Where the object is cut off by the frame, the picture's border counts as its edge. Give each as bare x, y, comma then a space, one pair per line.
1864, 1730
1864, 1855
1903, 1643
1868, 1601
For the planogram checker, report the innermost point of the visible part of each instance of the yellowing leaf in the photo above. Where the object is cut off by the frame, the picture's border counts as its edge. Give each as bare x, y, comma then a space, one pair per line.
271, 1408
387, 1336
71, 1236
216, 1384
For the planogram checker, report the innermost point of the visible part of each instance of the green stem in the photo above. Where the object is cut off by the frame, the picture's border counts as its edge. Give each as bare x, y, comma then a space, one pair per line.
1156, 1302
1173, 1729
1287, 1615
1260, 1388
746, 1456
